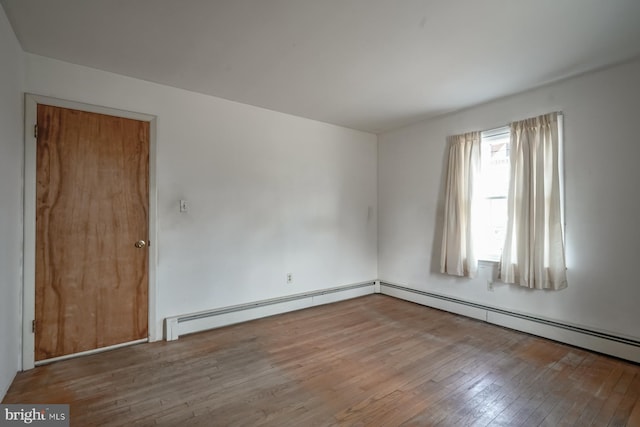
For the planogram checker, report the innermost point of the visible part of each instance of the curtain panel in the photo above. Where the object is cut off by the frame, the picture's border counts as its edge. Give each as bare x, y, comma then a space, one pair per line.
533, 254
458, 256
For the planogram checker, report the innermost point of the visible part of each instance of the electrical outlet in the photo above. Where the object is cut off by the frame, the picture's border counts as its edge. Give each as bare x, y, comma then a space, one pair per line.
489, 285
289, 278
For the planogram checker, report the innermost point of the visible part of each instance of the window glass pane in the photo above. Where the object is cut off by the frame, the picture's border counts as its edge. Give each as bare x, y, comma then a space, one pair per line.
491, 209
492, 215
495, 167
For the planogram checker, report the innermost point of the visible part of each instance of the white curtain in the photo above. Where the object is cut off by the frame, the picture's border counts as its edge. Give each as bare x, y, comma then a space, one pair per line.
458, 256
533, 254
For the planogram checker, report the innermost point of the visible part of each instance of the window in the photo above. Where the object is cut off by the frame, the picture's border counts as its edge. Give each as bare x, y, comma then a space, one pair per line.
485, 219
491, 204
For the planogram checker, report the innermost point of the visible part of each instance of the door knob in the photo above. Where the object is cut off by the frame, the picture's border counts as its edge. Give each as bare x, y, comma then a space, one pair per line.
140, 244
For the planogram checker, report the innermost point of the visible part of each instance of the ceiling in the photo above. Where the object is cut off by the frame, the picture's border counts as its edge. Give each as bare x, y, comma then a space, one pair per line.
371, 65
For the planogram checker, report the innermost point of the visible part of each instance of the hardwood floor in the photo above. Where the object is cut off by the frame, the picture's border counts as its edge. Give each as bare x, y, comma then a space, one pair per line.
371, 361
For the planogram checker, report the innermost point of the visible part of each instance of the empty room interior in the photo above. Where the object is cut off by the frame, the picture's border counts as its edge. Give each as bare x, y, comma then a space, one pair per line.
289, 212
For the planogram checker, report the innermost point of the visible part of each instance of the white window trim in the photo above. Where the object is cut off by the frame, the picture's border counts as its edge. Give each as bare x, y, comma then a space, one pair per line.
498, 132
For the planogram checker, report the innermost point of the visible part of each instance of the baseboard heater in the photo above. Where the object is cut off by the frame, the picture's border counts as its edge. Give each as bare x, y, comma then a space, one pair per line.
580, 336
209, 319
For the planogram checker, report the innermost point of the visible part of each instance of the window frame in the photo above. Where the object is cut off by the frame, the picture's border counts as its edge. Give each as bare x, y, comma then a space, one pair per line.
495, 133
486, 137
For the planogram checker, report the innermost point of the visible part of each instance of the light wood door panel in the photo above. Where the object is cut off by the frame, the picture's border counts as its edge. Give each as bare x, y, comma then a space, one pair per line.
92, 193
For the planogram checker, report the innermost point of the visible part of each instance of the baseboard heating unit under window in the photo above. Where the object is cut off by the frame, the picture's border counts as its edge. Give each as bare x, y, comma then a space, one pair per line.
623, 347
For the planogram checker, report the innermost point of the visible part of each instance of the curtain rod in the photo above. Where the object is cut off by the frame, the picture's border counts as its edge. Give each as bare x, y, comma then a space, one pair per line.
499, 129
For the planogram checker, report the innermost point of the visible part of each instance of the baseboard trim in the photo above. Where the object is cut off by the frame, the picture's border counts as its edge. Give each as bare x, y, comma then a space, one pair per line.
580, 336
176, 326
624, 347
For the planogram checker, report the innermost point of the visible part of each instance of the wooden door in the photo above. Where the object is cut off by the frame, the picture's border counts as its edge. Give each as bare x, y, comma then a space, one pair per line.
92, 197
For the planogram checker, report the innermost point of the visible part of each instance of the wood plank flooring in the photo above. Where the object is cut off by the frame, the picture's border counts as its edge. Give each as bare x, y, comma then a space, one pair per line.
371, 361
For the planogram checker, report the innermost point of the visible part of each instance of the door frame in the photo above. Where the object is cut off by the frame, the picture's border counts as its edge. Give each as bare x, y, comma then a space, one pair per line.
29, 210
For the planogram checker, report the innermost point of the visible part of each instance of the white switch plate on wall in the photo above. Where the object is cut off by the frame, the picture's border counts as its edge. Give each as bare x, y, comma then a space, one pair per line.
184, 206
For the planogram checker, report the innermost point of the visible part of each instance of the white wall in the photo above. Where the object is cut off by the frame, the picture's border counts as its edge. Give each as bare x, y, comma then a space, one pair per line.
602, 154
11, 155
269, 193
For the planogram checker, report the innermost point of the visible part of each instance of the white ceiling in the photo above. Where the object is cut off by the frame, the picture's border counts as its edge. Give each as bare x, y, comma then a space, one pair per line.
371, 65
